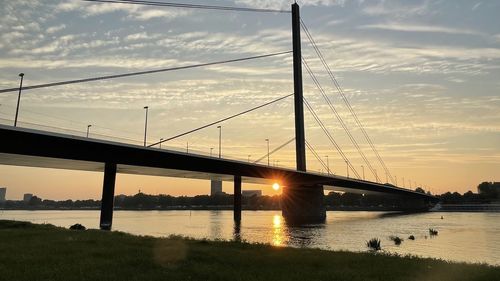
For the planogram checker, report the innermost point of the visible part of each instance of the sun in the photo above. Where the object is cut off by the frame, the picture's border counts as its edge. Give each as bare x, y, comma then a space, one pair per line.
276, 186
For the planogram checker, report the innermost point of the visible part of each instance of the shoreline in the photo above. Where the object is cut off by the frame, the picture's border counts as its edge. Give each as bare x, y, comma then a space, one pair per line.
230, 208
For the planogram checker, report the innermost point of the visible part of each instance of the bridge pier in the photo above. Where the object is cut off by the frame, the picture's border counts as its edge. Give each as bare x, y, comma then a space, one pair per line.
237, 199
302, 204
108, 194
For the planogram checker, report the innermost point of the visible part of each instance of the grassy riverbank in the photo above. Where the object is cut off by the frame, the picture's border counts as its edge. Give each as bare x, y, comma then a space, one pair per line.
45, 252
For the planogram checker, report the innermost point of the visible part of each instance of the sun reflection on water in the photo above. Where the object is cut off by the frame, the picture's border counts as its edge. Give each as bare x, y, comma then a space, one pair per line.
278, 235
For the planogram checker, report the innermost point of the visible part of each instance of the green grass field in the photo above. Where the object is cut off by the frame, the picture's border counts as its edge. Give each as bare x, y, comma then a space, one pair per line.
46, 252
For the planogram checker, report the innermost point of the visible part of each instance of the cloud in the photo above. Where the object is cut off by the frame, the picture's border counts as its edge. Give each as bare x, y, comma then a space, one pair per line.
132, 11
420, 28
395, 8
285, 4
54, 29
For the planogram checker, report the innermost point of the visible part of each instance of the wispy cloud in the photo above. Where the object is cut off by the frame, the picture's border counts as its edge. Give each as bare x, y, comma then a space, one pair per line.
420, 28
395, 8
135, 12
285, 4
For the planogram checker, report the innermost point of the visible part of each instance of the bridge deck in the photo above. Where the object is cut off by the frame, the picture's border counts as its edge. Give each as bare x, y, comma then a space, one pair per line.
27, 147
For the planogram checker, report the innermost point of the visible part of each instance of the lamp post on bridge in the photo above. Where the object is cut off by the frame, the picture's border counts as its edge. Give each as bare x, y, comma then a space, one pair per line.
249, 158
327, 165
211, 149
19, 97
88, 129
220, 141
267, 140
363, 168
146, 125
161, 140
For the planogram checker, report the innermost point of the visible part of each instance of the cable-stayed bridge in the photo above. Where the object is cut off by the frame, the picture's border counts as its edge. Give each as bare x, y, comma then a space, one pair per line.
302, 198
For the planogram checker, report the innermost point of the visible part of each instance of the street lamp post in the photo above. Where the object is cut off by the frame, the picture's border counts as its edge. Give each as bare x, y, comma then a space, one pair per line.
88, 129
211, 149
19, 97
220, 137
363, 168
267, 140
327, 165
146, 125
161, 140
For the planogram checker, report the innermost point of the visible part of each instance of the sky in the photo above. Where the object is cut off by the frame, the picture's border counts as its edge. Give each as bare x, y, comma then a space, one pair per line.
422, 76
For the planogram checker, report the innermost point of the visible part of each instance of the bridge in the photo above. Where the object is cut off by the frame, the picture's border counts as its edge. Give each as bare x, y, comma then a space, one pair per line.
303, 190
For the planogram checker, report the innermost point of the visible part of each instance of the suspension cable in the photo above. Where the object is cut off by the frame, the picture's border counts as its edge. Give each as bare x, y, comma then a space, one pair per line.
339, 118
190, 6
274, 150
317, 156
344, 98
140, 72
221, 120
332, 140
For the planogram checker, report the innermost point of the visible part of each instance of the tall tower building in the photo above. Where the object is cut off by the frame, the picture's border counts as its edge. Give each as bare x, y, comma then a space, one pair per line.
215, 187
3, 191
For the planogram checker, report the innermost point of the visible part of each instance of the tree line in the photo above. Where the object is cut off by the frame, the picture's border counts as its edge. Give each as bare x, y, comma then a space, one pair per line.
487, 192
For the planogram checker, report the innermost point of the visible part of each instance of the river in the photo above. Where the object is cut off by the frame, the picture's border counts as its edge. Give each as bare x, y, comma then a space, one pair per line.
468, 237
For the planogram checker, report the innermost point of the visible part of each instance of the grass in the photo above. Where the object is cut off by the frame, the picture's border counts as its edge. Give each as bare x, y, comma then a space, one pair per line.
397, 240
45, 252
373, 244
433, 232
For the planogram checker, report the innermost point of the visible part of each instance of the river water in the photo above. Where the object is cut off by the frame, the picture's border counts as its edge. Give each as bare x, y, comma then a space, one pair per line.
468, 237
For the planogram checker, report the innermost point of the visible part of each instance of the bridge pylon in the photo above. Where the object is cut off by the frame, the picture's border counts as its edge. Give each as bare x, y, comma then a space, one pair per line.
300, 203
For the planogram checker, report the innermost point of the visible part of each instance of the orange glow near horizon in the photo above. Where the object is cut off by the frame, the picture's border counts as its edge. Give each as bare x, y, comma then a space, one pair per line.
276, 186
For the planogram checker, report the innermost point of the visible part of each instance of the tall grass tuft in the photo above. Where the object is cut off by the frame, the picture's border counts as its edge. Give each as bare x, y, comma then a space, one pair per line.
374, 244
433, 232
396, 240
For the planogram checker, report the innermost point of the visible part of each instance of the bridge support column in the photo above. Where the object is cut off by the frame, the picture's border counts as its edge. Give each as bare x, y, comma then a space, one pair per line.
237, 198
301, 204
108, 194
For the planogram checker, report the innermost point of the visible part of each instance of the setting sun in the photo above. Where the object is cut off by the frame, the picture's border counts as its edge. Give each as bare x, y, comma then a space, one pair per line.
276, 186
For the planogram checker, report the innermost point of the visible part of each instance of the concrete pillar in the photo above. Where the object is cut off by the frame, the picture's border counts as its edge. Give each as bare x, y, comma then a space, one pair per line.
237, 198
302, 204
108, 194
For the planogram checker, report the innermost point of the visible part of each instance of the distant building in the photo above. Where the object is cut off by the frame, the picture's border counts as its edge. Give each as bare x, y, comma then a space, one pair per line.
250, 193
215, 187
27, 197
3, 191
